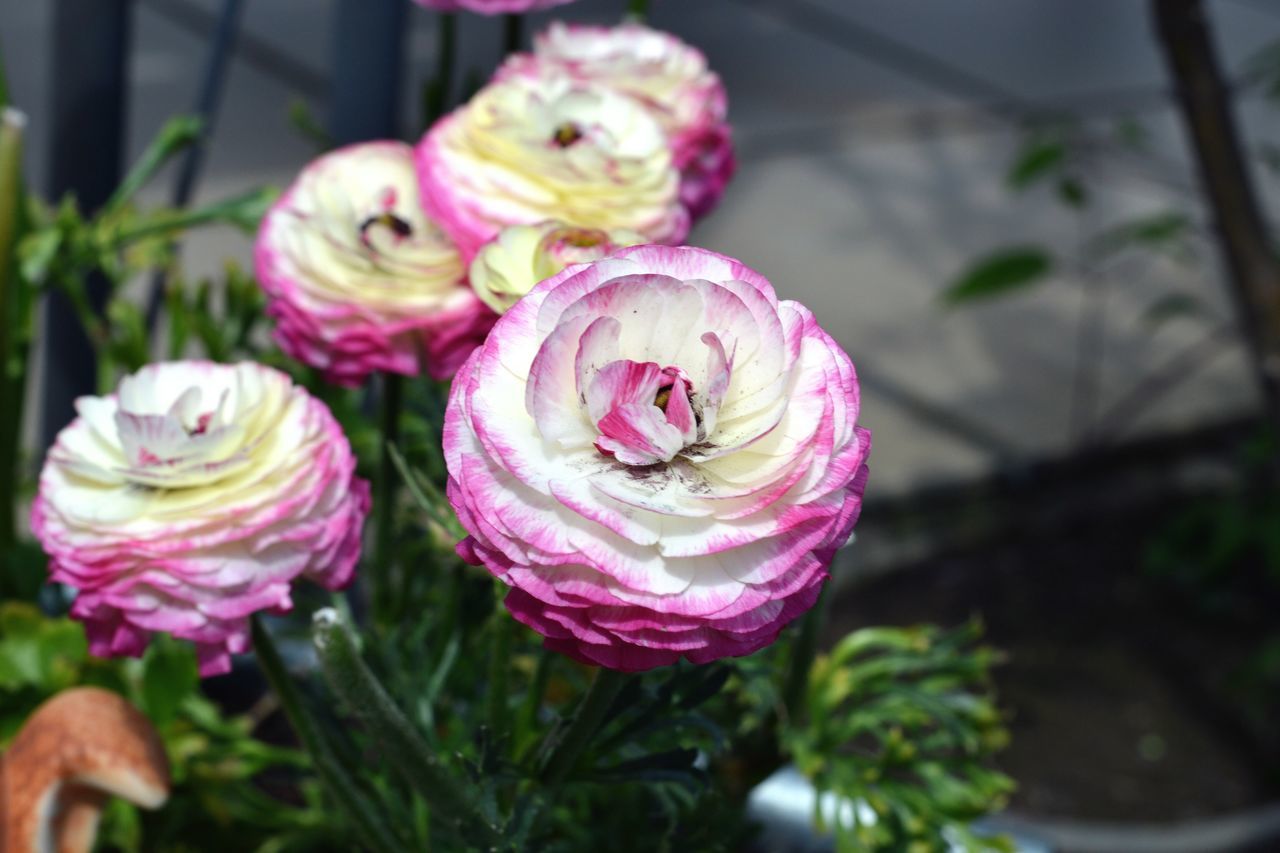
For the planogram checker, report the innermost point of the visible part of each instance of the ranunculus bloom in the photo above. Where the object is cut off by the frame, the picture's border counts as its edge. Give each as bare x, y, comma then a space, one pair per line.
530, 148
668, 76
192, 498
358, 278
490, 7
657, 456
508, 267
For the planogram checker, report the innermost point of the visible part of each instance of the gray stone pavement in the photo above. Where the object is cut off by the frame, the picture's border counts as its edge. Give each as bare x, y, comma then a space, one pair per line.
874, 138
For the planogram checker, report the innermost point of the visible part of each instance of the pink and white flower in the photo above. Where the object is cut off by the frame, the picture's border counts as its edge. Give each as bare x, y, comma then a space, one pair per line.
508, 266
658, 456
669, 77
490, 7
359, 279
192, 498
529, 148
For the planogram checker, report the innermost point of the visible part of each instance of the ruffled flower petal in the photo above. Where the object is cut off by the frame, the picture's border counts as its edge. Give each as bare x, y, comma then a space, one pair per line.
225, 483
658, 456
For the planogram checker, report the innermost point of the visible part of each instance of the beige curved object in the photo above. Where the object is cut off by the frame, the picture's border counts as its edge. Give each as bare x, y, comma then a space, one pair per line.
78, 748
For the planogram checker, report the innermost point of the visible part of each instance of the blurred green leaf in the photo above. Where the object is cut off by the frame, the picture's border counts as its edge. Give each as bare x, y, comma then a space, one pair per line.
306, 124
128, 344
1171, 307
169, 675
1000, 273
176, 134
1161, 231
1072, 192
1039, 157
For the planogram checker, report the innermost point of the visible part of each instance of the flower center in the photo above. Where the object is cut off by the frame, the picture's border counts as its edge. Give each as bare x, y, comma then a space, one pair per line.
185, 445
644, 413
663, 398
566, 134
397, 226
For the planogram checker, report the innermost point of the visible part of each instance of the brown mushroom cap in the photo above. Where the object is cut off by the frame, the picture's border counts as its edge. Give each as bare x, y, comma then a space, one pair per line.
77, 748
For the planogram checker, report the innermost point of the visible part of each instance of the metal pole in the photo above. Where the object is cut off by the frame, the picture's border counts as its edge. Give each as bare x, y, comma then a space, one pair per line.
1253, 267
368, 54
87, 114
208, 100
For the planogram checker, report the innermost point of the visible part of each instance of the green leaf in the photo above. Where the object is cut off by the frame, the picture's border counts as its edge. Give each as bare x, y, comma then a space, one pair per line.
1072, 192
999, 273
306, 124
177, 133
454, 799
1170, 307
129, 340
169, 676
1039, 157
37, 252
1164, 230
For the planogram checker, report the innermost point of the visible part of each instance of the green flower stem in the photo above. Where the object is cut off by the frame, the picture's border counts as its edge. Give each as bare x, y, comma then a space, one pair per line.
512, 34
244, 211
385, 497
11, 380
638, 9
341, 787
453, 800
802, 654
572, 741
499, 670
178, 133
528, 721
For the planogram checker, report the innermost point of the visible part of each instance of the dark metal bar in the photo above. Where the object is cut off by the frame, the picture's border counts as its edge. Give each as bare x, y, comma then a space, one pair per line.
256, 52
1253, 267
207, 102
368, 54
87, 114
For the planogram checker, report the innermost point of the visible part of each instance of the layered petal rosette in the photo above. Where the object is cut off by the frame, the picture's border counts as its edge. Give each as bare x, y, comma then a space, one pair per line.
657, 456
490, 7
508, 266
192, 498
529, 148
669, 77
359, 279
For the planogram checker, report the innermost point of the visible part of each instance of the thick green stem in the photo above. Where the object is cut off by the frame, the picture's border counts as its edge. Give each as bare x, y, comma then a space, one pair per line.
802, 654
342, 789
499, 670
453, 800
572, 741
512, 34
12, 360
384, 595
533, 698
638, 9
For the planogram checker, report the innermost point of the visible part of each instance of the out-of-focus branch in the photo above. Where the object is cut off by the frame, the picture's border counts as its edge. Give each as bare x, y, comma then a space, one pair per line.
1252, 265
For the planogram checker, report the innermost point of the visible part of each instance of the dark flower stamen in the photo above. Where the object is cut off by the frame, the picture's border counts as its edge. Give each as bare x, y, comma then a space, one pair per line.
567, 134
388, 220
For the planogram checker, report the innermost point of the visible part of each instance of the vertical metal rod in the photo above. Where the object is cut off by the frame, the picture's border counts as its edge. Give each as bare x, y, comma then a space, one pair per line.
87, 111
368, 54
1253, 267
206, 107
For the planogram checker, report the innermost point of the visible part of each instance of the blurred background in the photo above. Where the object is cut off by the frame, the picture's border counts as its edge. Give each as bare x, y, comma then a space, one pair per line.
995, 208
